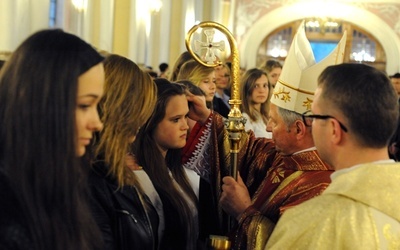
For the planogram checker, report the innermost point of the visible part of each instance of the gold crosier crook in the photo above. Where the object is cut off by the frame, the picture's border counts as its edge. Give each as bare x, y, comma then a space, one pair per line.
235, 121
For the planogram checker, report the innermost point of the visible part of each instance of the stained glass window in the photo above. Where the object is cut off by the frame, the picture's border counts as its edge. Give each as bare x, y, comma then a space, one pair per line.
52, 13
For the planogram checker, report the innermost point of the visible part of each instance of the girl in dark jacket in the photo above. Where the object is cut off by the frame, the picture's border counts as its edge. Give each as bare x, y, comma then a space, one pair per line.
158, 149
123, 212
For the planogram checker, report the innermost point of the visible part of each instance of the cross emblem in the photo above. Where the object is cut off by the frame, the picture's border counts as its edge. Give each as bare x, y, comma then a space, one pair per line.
210, 46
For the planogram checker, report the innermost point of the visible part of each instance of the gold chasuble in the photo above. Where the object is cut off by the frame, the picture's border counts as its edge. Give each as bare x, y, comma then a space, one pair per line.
352, 213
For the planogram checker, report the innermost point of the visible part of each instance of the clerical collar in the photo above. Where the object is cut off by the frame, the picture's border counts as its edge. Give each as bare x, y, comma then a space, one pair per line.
305, 150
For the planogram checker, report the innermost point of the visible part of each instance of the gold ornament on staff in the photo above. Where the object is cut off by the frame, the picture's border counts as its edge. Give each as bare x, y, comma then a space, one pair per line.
235, 121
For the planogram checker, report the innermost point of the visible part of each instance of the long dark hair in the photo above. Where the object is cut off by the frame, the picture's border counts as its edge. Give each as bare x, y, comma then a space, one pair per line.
38, 92
178, 217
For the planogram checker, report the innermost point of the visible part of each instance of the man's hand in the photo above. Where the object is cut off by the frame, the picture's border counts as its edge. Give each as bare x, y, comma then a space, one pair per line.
198, 110
235, 197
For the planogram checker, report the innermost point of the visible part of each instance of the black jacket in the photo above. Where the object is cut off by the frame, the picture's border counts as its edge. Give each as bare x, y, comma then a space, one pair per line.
13, 229
121, 214
220, 107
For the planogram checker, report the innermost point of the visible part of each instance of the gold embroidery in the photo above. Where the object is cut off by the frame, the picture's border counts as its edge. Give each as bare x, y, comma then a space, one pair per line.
285, 95
284, 183
391, 237
307, 103
276, 174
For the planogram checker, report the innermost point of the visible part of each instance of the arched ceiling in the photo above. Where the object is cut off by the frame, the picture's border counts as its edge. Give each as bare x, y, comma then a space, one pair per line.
350, 13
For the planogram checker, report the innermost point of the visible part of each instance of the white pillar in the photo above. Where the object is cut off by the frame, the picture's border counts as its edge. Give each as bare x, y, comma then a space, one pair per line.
191, 12
138, 35
216, 14
21, 18
87, 22
7, 10
165, 23
106, 24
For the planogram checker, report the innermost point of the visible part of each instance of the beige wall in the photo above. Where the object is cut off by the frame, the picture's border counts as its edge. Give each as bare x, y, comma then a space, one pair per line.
121, 27
175, 50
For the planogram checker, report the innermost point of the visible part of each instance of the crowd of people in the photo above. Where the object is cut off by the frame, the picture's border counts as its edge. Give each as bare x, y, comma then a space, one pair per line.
98, 153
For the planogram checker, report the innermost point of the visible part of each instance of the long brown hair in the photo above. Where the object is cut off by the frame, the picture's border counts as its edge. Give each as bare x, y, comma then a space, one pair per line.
128, 101
184, 57
247, 85
149, 156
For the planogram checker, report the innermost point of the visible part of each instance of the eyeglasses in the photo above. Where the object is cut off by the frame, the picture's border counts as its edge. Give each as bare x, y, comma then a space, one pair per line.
308, 114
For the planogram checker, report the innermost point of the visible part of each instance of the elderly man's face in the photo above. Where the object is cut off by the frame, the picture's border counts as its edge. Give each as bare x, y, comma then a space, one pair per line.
283, 136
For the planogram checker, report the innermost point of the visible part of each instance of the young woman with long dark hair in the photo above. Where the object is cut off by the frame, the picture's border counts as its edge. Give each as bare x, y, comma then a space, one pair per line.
49, 90
158, 150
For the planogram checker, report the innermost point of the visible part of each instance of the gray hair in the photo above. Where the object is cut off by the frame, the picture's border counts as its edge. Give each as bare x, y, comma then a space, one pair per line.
289, 117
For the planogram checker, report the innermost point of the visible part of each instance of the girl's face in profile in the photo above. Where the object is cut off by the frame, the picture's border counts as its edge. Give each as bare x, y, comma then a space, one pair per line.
208, 86
273, 76
171, 132
90, 91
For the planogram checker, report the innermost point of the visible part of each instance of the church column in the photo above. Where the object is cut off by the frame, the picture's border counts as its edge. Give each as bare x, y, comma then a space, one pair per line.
138, 32
183, 17
7, 13
228, 14
121, 31
102, 19
176, 45
212, 11
160, 34
19, 19
154, 40
73, 16
149, 32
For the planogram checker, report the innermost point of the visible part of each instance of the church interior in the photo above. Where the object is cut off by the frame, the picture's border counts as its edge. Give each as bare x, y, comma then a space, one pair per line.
167, 168
151, 32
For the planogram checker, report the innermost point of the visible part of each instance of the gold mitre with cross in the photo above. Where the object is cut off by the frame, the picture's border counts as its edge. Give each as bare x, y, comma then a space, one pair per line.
298, 81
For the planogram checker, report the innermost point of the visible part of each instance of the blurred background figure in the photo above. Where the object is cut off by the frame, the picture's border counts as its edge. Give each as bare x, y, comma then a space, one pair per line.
273, 69
222, 82
184, 57
164, 70
395, 79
